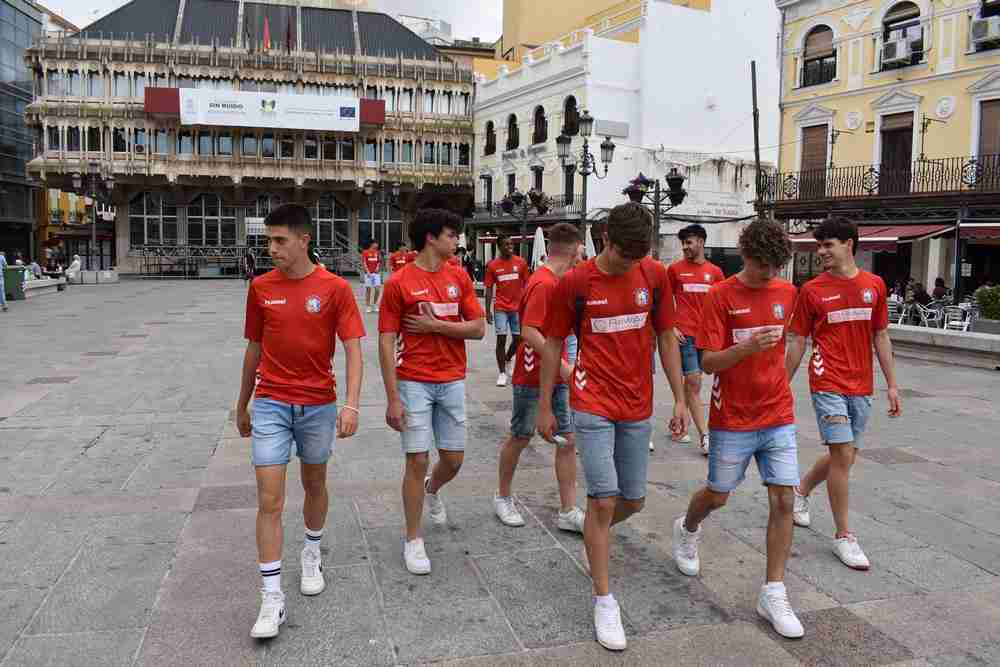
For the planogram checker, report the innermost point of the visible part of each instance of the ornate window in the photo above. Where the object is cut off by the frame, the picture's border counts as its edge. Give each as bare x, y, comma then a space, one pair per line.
571, 116
541, 133
152, 220
513, 135
819, 59
210, 223
491, 139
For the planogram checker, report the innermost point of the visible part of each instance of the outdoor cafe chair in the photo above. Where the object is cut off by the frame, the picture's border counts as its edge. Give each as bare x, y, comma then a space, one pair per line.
956, 319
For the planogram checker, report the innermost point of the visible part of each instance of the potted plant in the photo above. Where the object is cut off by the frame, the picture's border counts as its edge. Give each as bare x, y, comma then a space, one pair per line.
637, 187
541, 201
507, 204
988, 300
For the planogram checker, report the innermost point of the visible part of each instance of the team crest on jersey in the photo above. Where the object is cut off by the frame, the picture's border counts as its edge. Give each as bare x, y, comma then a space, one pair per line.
868, 296
313, 304
779, 311
708, 277
642, 297
452, 291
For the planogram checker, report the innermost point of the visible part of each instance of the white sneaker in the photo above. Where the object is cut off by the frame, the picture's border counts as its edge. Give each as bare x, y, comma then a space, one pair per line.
507, 512
773, 606
271, 616
800, 512
686, 548
850, 554
608, 625
312, 582
415, 557
704, 444
686, 438
368, 309
652, 447
437, 514
571, 521
502, 380
509, 368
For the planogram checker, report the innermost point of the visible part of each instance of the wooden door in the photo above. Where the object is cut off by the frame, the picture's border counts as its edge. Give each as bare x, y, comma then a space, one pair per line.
989, 145
814, 162
896, 169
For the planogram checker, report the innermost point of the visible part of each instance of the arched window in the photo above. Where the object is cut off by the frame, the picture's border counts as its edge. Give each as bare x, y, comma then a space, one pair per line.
902, 36
571, 114
541, 134
513, 138
491, 139
819, 59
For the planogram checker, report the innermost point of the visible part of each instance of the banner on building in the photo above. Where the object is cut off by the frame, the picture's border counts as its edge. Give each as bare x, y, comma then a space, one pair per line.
268, 110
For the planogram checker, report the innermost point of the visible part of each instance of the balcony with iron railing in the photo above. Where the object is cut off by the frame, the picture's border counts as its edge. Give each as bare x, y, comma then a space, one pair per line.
927, 179
562, 207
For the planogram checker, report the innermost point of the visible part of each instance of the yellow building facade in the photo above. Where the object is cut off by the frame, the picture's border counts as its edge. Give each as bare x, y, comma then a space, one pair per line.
890, 115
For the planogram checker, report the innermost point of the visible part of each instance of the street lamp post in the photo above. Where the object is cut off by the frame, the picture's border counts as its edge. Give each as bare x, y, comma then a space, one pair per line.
586, 163
643, 190
387, 194
91, 184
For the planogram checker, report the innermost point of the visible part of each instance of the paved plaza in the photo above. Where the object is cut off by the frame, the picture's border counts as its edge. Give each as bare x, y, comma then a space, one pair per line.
127, 508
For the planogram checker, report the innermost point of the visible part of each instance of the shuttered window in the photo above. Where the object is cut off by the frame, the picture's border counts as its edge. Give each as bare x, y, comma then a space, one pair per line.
989, 128
819, 62
814, 144
897, 121
819, 43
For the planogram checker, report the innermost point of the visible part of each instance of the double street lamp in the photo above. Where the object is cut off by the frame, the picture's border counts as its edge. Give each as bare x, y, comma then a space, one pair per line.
92, 185
387, 194
642, 190
586, 162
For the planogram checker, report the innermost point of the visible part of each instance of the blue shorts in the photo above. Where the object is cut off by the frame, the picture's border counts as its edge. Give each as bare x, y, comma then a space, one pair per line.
435, 416
690, 357
857, 409
572, 346
507, 323
729, 454
614, 455
276, 425
522, 423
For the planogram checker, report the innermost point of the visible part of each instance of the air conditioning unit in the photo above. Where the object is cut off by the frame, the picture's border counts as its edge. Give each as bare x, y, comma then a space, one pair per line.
986, 30
896, 51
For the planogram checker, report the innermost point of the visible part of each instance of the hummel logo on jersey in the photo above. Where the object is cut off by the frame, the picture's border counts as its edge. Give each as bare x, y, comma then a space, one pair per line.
717, 393
419, 292
741, 311
818, 364
580, 376
275, 302
598, 302
529, 359
831, 298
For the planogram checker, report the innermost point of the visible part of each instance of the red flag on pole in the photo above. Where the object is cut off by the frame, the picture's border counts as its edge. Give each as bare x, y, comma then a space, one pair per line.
267, 35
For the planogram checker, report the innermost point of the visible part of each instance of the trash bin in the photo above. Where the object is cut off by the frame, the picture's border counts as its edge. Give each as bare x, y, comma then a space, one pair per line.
13, 281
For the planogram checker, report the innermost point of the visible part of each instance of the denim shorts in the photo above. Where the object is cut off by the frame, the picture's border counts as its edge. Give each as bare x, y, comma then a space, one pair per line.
690, 357
276, 425
857, 409
507, 323
373, 280
435, 416
614, 455
572, 346
729, 454
522, 423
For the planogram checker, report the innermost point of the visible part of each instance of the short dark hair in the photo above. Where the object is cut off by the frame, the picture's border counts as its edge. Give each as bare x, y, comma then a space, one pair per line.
293, 216
432, 221
693, 230
841, 229
766, 241
564, 237
629, 227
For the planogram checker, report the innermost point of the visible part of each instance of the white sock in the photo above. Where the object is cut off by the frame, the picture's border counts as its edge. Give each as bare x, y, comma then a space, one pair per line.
604, 600
313, 540
270, 575
774, 586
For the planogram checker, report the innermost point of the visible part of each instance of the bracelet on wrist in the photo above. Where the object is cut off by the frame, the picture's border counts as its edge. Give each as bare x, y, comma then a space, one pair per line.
351, 408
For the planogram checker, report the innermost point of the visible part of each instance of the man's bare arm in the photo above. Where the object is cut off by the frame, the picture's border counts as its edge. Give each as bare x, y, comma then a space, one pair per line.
883, 349
795, 349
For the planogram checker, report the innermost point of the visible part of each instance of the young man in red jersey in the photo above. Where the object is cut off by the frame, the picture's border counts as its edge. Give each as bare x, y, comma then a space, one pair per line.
400, 258
371, 264
752, 413
430, 309
564, 241
846, 313
620, 307
294, 315
692, 277
505, 279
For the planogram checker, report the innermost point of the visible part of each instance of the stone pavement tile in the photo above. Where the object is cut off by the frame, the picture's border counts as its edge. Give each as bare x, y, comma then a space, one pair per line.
100, 649
838, 637
519, 659
343, 541
203, 635
108, 586
145, 527
456, 629
937, 623
707, 645
37, 550
544, 595
452, 573
98, 474
474, 528
830, 576
977, 655
240, 496
874, 536
165, 500
200, 577
17, 605
934, 570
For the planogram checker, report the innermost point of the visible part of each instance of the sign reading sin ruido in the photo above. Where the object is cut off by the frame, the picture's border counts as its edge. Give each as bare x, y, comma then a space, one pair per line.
267, 110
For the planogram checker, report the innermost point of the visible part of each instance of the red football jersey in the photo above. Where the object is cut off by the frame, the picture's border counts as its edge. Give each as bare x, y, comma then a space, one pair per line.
509, 276
398, 260
372, 260
754, 394
842, 316
534, 311
297, 322
691, 284
613, 376
449, 295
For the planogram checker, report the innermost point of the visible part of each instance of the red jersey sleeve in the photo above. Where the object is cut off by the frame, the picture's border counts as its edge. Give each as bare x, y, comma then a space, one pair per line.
719, 275
390, 312
470, 308
490, 278
712, 336
561, 317
254, 326
536, 307
804, 316
349, 322
666, 314
880, 315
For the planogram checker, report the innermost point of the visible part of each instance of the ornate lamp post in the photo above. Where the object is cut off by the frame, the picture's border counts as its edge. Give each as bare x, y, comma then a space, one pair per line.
586, 162
92, 185
387, 194
647, 191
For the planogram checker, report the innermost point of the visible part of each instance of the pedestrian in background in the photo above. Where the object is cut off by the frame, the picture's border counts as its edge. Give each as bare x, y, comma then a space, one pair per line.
3, 293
